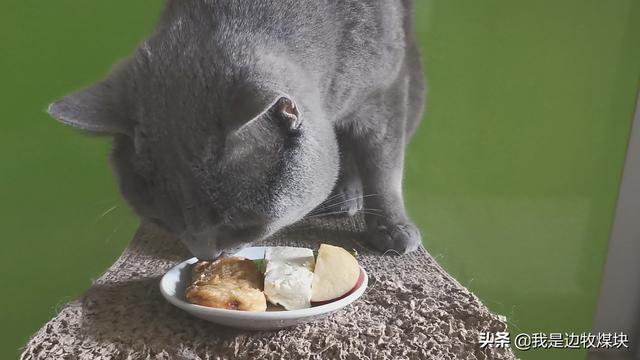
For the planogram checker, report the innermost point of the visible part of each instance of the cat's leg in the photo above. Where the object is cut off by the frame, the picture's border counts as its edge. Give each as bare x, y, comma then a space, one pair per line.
379, 138
346, 197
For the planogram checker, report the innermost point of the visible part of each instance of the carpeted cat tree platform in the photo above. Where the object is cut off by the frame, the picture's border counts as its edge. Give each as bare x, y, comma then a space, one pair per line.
412, 310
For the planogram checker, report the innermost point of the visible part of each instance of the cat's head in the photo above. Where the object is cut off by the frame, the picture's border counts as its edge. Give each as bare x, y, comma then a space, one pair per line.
219, 151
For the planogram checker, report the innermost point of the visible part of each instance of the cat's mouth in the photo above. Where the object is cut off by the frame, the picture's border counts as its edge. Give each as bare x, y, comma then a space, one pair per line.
215, 241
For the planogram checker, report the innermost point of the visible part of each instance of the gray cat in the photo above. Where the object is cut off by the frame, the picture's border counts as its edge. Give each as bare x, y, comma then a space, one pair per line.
237, 118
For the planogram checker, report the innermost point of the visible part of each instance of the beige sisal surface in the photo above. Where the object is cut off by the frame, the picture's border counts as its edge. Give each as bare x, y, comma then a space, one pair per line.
412, 310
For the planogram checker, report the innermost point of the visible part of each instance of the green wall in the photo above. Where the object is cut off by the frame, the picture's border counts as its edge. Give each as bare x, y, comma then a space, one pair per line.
512, 177
56, 187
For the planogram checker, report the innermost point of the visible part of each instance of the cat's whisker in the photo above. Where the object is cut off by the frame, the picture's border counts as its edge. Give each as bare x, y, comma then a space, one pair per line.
105, 213
323, 205
323, 213
332, 197
391, 251
371, 285
347, 200
353, 198
371, 213
320, 209
371, 209
327, 214
330, 205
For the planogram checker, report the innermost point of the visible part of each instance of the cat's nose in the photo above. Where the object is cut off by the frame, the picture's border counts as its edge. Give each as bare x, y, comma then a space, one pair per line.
202, 244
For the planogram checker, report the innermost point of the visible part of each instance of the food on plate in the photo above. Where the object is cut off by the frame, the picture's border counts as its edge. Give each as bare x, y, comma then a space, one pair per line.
288, 275
336, 274
229, 283
293, 279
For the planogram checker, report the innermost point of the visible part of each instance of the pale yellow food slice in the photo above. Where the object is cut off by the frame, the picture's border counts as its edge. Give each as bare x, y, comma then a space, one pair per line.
336, 273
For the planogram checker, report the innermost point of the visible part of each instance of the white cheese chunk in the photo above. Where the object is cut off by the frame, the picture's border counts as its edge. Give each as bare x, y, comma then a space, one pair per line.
288, 276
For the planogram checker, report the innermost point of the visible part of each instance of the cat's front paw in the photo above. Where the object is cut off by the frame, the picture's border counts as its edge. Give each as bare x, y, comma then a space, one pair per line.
402, 238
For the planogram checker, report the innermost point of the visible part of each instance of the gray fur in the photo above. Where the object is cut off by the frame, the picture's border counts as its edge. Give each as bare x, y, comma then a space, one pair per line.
200, 147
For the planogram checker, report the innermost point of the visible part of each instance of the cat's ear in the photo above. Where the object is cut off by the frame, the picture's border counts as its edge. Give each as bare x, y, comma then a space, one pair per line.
249, 106
286, 111
97, 109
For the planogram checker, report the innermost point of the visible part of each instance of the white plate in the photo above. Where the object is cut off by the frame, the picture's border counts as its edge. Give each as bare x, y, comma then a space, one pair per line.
174, 282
